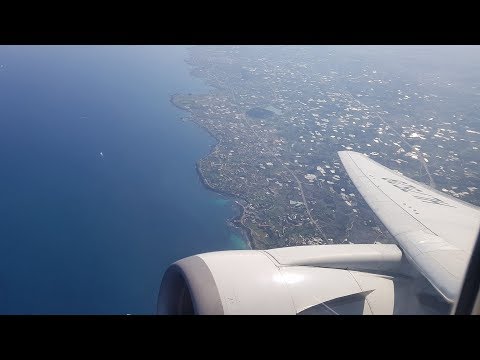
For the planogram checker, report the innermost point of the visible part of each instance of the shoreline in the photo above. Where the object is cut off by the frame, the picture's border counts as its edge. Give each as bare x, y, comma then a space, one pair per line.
236, 220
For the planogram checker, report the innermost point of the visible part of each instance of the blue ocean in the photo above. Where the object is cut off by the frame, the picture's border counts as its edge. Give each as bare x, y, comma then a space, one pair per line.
98, 187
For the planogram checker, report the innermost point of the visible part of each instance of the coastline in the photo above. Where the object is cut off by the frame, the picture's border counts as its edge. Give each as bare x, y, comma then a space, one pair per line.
236, 220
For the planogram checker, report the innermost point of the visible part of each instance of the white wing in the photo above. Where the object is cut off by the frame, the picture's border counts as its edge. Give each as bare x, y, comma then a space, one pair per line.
437, 232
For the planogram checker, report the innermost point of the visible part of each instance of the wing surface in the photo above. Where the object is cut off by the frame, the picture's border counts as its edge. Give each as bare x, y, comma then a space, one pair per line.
436, 231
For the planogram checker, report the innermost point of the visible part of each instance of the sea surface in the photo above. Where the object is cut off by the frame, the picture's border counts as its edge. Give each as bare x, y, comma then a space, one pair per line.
82, 233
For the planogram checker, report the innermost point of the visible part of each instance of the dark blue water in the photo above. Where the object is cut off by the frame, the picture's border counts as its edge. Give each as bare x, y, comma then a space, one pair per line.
86, 234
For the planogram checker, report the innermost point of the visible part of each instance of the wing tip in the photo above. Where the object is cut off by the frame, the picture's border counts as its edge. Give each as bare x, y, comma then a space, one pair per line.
348, 155
343, 153
349, 152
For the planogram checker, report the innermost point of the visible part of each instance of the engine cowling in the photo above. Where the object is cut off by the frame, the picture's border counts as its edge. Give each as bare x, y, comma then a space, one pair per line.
328, 279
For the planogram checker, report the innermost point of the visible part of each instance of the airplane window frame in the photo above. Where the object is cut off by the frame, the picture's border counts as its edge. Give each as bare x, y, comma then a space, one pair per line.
471, 284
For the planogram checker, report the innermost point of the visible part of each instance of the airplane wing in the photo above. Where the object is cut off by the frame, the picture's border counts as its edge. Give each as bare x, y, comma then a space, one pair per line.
436, 232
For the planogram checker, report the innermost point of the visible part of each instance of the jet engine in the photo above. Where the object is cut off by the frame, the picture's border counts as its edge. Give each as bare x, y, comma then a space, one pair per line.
318, 279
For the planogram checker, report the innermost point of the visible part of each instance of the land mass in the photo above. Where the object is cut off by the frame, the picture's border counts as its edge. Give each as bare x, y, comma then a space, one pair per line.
280, 116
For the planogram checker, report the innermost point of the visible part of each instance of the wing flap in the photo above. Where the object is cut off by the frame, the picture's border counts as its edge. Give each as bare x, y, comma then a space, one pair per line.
440, 262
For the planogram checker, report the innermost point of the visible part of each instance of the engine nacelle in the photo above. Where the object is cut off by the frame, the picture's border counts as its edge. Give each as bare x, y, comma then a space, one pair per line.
328, 279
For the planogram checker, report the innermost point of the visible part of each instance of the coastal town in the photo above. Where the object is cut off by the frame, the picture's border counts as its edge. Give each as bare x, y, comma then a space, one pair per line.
281, 114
